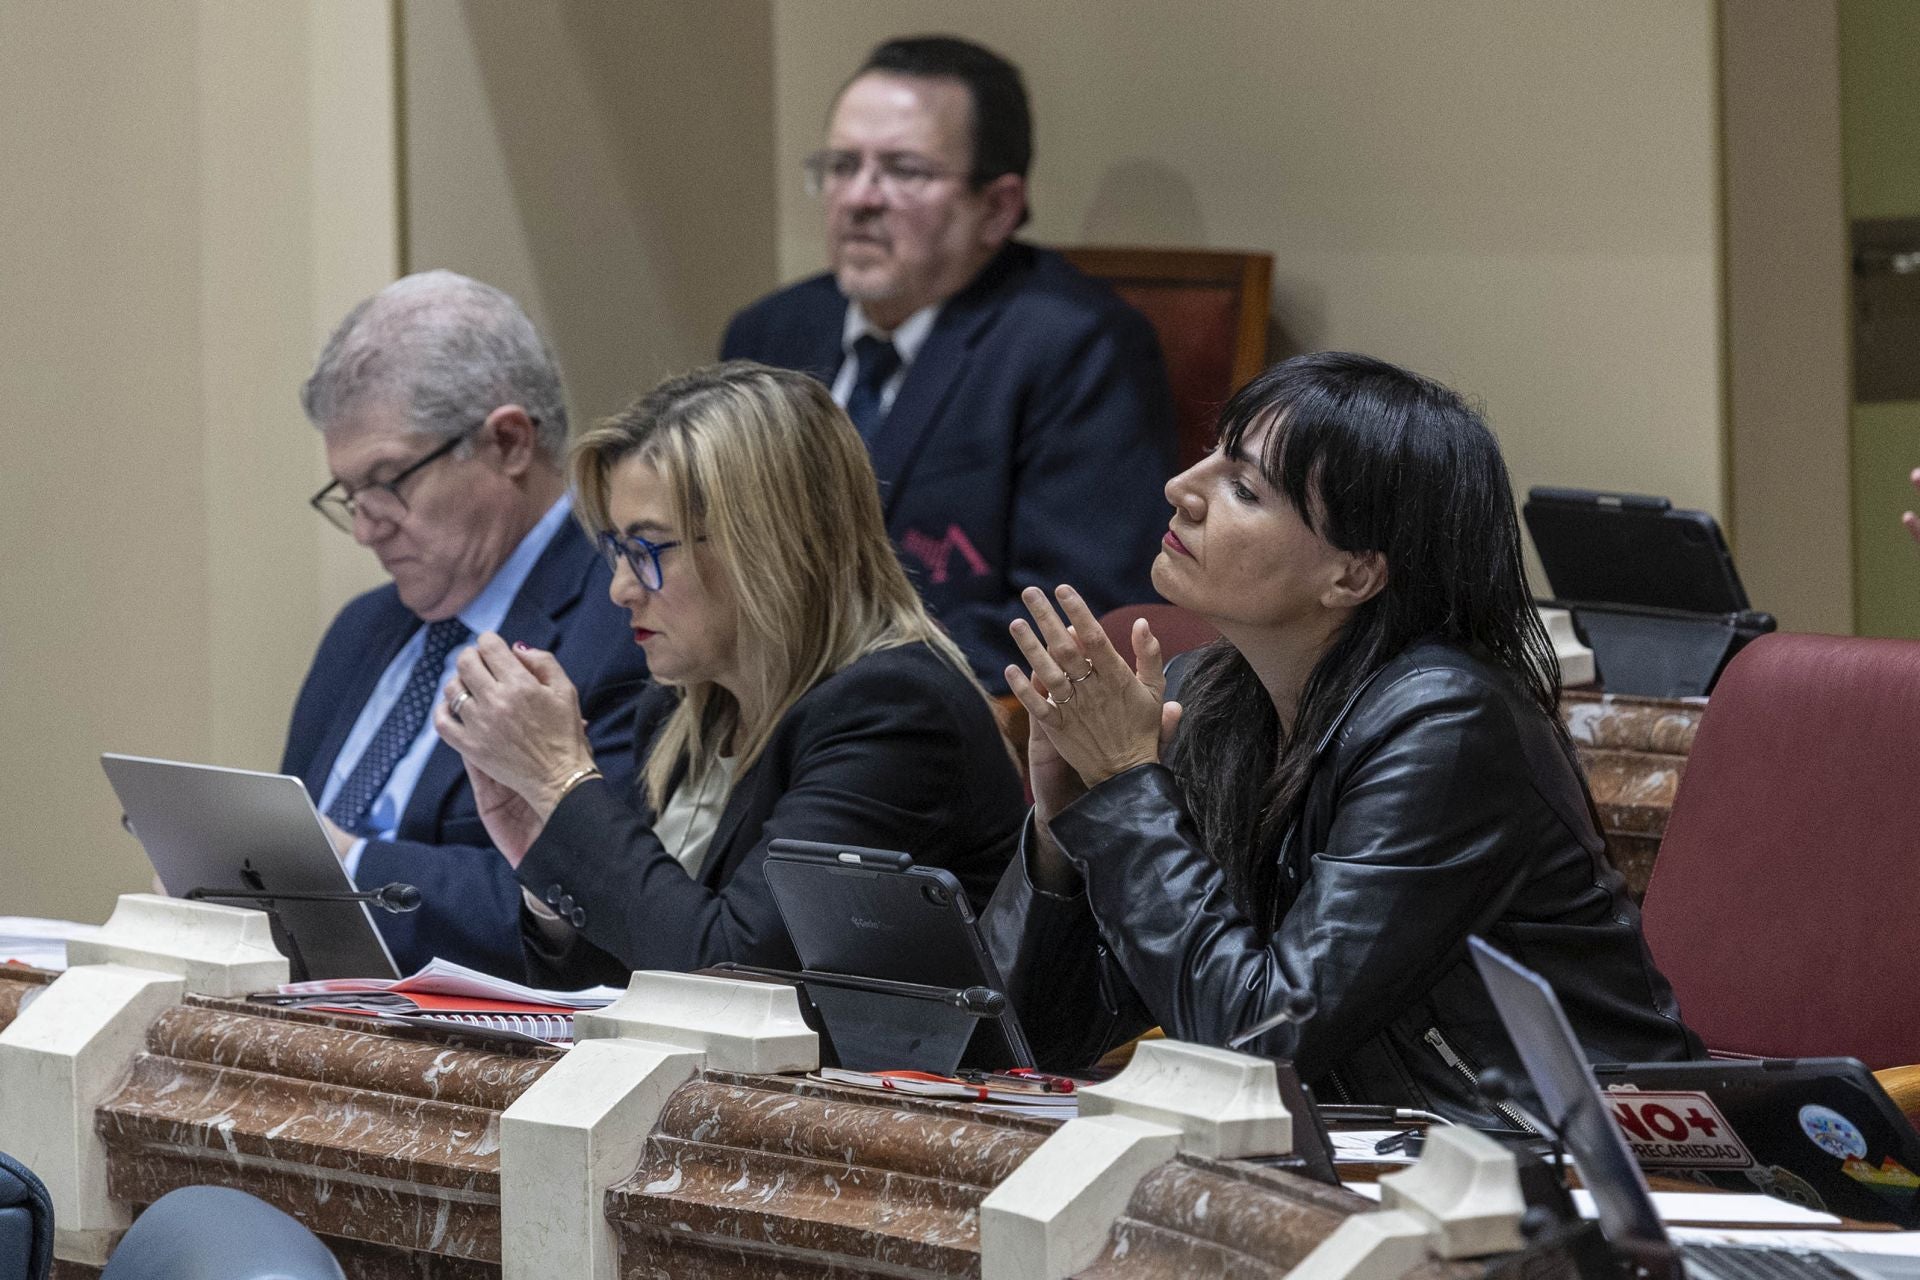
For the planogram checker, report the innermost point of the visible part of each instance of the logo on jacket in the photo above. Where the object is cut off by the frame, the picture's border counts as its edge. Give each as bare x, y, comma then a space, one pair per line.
937, 553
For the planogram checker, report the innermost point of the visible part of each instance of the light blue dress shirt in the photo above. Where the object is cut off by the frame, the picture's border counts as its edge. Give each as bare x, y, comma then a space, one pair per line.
485, 613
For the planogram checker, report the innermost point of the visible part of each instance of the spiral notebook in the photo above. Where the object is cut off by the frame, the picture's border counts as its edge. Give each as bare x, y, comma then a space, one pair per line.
445, 992
541, 1022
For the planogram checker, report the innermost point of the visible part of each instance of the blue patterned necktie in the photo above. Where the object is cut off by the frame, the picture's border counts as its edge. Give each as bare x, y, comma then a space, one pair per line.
876, 360
397, 732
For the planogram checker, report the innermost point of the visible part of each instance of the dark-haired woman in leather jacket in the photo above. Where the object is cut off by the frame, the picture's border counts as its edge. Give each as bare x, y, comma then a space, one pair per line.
1319, 810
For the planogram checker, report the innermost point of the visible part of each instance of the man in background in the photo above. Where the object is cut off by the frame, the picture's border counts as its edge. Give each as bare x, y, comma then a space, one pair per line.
445, 427
1016, 411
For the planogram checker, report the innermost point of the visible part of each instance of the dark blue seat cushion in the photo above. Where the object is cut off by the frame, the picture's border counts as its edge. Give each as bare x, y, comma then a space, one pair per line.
218, 1233
26, 1223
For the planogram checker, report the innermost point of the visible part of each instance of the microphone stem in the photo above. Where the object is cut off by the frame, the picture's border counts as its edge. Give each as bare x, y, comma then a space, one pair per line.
1261, 1028
251, 895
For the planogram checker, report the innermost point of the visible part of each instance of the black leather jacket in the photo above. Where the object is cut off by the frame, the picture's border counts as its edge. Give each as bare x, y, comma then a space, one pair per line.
1442, 804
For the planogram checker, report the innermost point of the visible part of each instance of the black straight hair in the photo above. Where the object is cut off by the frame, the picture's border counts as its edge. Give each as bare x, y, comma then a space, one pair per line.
1002, 120
1375, 459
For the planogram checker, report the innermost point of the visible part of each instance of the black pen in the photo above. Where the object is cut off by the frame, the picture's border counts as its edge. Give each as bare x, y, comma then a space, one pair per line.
1408, 1140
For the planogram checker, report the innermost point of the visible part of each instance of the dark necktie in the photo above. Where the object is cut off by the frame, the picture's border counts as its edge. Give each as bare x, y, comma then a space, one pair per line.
876, 361
397, 731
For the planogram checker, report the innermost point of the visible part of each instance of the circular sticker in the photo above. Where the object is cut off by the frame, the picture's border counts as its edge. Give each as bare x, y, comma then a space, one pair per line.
1832, 1132
1782, 1185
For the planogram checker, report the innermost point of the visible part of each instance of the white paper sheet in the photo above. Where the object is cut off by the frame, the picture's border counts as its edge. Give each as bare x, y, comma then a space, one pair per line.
40, 942
1706, 1206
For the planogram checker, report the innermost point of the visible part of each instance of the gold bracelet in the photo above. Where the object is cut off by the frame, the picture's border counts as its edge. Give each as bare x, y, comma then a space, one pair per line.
574, 779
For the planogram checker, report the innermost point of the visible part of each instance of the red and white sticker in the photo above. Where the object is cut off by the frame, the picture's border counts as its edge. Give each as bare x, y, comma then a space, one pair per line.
1677, 1130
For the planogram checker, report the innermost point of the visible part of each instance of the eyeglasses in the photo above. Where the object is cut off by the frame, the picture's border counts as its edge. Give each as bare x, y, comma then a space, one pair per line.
381, 499
898, 175
642, 557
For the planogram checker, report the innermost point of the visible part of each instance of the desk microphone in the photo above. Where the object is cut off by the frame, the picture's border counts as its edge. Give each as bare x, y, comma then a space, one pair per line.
396, 897
1300, 1006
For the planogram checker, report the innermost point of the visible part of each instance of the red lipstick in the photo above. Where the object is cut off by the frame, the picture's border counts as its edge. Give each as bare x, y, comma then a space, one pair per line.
1172, 543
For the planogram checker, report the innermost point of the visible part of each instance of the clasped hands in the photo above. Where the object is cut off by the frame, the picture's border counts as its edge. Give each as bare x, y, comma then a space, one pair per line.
1089, 715
519, 731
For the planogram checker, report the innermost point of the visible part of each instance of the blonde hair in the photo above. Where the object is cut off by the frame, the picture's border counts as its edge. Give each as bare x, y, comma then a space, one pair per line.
763, 466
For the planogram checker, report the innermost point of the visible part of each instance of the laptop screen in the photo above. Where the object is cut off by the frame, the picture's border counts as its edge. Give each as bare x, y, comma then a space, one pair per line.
1560, 1074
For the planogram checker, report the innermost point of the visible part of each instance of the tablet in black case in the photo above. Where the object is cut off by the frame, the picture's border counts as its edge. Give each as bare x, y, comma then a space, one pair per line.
871, 913
1631, 549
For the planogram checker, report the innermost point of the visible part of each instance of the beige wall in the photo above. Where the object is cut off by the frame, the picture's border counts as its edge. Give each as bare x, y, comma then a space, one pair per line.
609, 165
1517, 196
192, 191
1788, 380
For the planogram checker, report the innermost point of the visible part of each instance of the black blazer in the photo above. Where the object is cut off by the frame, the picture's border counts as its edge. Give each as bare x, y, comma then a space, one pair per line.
1441, 804
895, 751
1029, 444
470, 902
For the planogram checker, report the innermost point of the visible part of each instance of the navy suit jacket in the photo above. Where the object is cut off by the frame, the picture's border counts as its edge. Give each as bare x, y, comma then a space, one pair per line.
1029, 444
470, 901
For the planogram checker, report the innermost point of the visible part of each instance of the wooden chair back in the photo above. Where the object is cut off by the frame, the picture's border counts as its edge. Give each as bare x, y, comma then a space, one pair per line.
1209, 308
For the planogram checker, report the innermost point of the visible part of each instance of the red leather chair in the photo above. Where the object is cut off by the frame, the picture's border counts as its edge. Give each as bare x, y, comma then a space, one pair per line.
1209, 308
1785, 899
1175, 628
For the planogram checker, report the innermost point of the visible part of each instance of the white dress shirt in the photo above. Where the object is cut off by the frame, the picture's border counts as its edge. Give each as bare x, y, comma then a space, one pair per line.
907, 340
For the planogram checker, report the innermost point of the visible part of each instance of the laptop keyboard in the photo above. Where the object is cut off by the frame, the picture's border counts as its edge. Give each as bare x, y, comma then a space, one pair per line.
1732, 1262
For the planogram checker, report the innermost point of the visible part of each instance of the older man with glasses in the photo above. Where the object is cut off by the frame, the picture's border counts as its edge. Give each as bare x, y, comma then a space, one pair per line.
445, 429
1016, 411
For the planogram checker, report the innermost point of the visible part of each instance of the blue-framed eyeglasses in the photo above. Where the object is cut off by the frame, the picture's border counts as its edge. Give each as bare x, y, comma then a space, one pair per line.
642, 556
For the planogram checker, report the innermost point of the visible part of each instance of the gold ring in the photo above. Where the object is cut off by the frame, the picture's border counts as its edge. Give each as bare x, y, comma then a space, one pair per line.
453, 708
1084, 675
1060, 702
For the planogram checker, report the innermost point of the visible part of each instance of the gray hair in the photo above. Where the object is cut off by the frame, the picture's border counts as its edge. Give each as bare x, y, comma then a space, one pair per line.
448, 350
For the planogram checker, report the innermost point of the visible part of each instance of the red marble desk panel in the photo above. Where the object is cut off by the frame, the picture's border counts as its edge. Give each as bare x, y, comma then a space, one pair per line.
756, 1176
1236, 1221
759, 1176
1634, 751
387, 1143
17, 982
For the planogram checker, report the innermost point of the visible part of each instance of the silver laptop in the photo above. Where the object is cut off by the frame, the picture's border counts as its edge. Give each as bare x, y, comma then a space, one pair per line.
209, 828
1572, 1104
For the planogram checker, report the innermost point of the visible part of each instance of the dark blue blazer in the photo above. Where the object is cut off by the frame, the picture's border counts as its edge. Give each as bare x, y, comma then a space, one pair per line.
1029, 444
470, 910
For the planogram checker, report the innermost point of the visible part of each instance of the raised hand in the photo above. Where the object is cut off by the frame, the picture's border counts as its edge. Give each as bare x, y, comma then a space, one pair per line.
511, 822
513, 713
1097, 715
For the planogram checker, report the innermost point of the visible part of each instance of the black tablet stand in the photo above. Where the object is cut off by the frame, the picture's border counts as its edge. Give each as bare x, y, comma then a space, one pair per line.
874, 1024
1661, 653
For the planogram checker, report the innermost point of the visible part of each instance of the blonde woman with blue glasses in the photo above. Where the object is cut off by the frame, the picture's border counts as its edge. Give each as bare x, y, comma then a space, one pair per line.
802, 692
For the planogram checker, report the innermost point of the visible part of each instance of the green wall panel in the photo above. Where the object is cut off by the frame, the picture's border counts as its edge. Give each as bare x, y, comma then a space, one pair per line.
1880, 125
1880, 106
